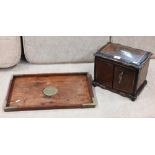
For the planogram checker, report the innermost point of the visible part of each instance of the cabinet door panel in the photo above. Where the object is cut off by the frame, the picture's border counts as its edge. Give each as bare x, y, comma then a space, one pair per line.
124, 79
104, 72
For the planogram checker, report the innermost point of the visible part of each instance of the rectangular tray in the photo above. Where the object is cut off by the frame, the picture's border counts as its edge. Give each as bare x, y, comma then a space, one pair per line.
74, 90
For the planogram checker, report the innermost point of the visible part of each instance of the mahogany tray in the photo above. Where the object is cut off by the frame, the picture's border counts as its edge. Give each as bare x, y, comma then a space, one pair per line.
50, 91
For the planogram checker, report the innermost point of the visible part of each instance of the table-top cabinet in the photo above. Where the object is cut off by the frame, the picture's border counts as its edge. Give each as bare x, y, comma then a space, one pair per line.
121, 69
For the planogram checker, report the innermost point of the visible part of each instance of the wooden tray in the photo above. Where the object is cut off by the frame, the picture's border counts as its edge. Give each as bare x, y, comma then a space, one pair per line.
31, 92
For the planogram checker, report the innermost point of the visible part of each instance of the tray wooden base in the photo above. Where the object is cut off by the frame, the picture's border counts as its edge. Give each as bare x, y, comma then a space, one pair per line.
27, 92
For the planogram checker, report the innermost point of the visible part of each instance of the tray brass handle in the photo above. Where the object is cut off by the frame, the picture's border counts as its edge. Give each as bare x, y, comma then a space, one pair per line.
120, 77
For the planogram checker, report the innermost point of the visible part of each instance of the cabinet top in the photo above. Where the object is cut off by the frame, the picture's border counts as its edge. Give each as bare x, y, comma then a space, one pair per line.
124, 54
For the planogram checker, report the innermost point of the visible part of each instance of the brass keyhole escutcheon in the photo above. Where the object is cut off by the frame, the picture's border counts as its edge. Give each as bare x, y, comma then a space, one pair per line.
120, 77
50, 91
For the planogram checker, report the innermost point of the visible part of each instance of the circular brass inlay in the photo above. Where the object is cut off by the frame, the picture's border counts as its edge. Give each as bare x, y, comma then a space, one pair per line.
50, 91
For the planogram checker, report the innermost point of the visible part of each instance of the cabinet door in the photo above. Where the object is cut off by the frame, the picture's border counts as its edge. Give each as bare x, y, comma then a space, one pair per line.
104, 72
124, 79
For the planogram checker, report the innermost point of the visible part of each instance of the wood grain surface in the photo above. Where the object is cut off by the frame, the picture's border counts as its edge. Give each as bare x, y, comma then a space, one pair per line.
104, 72
127, 82
26, 92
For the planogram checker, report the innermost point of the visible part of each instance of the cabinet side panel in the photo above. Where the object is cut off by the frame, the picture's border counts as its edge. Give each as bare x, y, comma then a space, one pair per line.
143, 74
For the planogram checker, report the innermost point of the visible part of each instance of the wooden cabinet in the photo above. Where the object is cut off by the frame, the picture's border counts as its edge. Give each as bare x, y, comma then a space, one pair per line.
121, 69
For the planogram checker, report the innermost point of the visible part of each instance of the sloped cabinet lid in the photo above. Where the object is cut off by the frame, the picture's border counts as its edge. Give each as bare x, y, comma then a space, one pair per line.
123, 54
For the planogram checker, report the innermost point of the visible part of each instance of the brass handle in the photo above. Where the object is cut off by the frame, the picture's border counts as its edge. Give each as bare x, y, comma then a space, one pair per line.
120, 77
